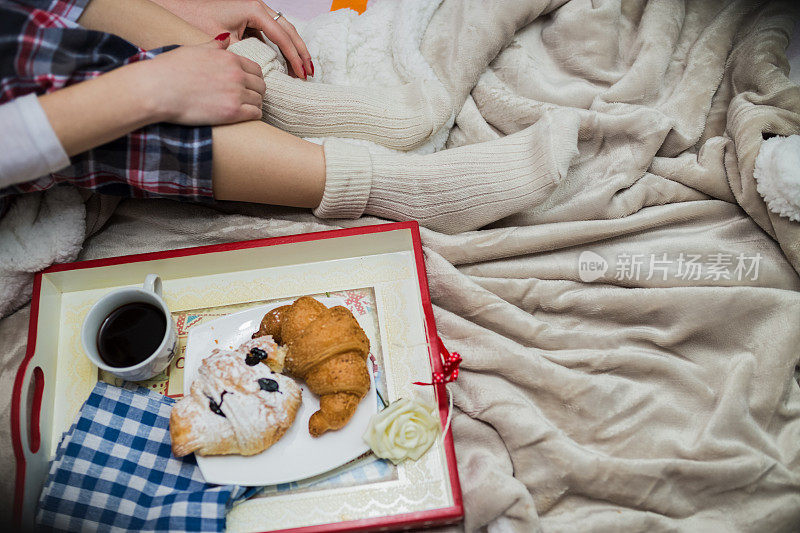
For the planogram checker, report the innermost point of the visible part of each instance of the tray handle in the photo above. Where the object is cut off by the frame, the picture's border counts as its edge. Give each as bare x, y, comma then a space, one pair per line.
32, 438
31, 466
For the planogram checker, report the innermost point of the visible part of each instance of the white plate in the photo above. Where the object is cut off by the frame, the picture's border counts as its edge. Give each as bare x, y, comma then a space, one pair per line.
297, 455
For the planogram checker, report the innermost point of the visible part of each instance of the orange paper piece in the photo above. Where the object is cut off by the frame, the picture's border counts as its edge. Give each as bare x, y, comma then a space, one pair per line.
357, 5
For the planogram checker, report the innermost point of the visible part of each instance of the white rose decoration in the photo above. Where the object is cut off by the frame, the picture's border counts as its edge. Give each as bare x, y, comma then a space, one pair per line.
404, 430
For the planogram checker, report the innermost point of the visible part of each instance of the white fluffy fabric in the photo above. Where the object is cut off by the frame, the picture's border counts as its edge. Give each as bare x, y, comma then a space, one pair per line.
40, 229
777, 174
381, 48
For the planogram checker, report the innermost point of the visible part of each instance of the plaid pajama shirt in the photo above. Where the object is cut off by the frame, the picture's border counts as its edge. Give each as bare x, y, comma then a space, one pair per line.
42, 49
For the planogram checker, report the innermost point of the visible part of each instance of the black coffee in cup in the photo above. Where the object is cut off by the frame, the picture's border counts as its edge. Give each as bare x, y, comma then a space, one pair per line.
130, 334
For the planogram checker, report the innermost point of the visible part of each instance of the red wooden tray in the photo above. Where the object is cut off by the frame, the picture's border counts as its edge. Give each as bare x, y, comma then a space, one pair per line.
53, 380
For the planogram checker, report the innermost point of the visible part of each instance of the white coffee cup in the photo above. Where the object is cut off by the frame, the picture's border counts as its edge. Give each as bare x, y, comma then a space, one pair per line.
158, 361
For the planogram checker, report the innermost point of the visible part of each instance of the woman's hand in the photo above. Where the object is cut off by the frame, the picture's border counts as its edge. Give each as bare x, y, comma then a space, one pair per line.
235, 16
203, 84
200, 84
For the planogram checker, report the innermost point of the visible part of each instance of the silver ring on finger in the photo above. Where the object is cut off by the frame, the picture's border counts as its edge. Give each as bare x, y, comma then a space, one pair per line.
276, 17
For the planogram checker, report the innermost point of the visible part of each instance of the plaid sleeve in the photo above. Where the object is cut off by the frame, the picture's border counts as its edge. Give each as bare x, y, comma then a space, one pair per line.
161, 160
43, 51
68, 9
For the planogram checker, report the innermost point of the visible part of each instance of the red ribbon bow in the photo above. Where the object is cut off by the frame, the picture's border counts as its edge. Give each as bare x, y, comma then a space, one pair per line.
449, 373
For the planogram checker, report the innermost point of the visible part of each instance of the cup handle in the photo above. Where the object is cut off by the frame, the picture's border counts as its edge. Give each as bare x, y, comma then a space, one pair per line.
152, 283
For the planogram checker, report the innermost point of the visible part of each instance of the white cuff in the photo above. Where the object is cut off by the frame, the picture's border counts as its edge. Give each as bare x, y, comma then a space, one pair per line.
348, 180
28, 144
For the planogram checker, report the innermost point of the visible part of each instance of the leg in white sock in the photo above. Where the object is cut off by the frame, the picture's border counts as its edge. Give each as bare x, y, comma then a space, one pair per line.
454, 190
401, 117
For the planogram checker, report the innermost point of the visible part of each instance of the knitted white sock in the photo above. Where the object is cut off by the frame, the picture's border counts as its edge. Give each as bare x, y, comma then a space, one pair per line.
453, 190
401, 117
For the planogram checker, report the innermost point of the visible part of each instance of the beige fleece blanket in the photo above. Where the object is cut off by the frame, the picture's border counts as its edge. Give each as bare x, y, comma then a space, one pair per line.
629, 345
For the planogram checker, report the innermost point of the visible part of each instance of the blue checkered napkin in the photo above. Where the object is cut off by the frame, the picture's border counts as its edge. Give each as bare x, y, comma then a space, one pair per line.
114, 471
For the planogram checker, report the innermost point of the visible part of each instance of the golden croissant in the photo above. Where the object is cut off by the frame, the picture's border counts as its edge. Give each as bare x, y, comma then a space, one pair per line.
328, 350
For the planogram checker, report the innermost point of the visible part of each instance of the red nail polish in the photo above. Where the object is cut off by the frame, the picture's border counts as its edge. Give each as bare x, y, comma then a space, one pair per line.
222, 36
304, 72
312, 67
